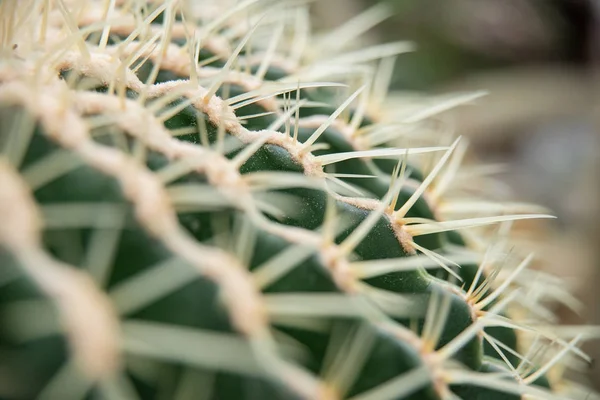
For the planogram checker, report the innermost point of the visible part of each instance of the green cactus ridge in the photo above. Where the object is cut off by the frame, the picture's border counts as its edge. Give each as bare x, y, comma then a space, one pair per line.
197, 201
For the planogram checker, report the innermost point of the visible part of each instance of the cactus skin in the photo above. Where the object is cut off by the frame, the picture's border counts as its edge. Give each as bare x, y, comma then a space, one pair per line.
165, 237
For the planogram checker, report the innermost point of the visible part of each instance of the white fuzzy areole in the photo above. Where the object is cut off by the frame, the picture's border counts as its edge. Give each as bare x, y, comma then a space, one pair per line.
87, 315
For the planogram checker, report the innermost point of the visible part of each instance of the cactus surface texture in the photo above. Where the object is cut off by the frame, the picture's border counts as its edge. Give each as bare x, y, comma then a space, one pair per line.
205, 200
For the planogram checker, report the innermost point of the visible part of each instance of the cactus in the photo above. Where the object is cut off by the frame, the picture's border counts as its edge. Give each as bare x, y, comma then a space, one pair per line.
202, 201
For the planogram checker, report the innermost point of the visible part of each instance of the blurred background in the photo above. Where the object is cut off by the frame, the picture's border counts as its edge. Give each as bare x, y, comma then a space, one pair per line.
539, 60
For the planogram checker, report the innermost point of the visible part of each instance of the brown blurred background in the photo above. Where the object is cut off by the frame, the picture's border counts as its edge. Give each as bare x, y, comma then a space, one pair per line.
539, 60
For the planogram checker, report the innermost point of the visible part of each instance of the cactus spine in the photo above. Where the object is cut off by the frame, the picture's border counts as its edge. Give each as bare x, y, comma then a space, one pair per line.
199, 200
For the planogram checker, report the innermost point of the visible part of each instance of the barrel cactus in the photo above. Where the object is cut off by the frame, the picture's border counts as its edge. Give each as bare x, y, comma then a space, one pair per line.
204, 200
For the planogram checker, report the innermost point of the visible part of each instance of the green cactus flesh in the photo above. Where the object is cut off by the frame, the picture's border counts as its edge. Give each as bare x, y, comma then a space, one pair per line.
180, 220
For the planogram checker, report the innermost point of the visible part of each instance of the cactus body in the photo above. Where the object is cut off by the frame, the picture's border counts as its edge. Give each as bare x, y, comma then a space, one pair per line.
197, 203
